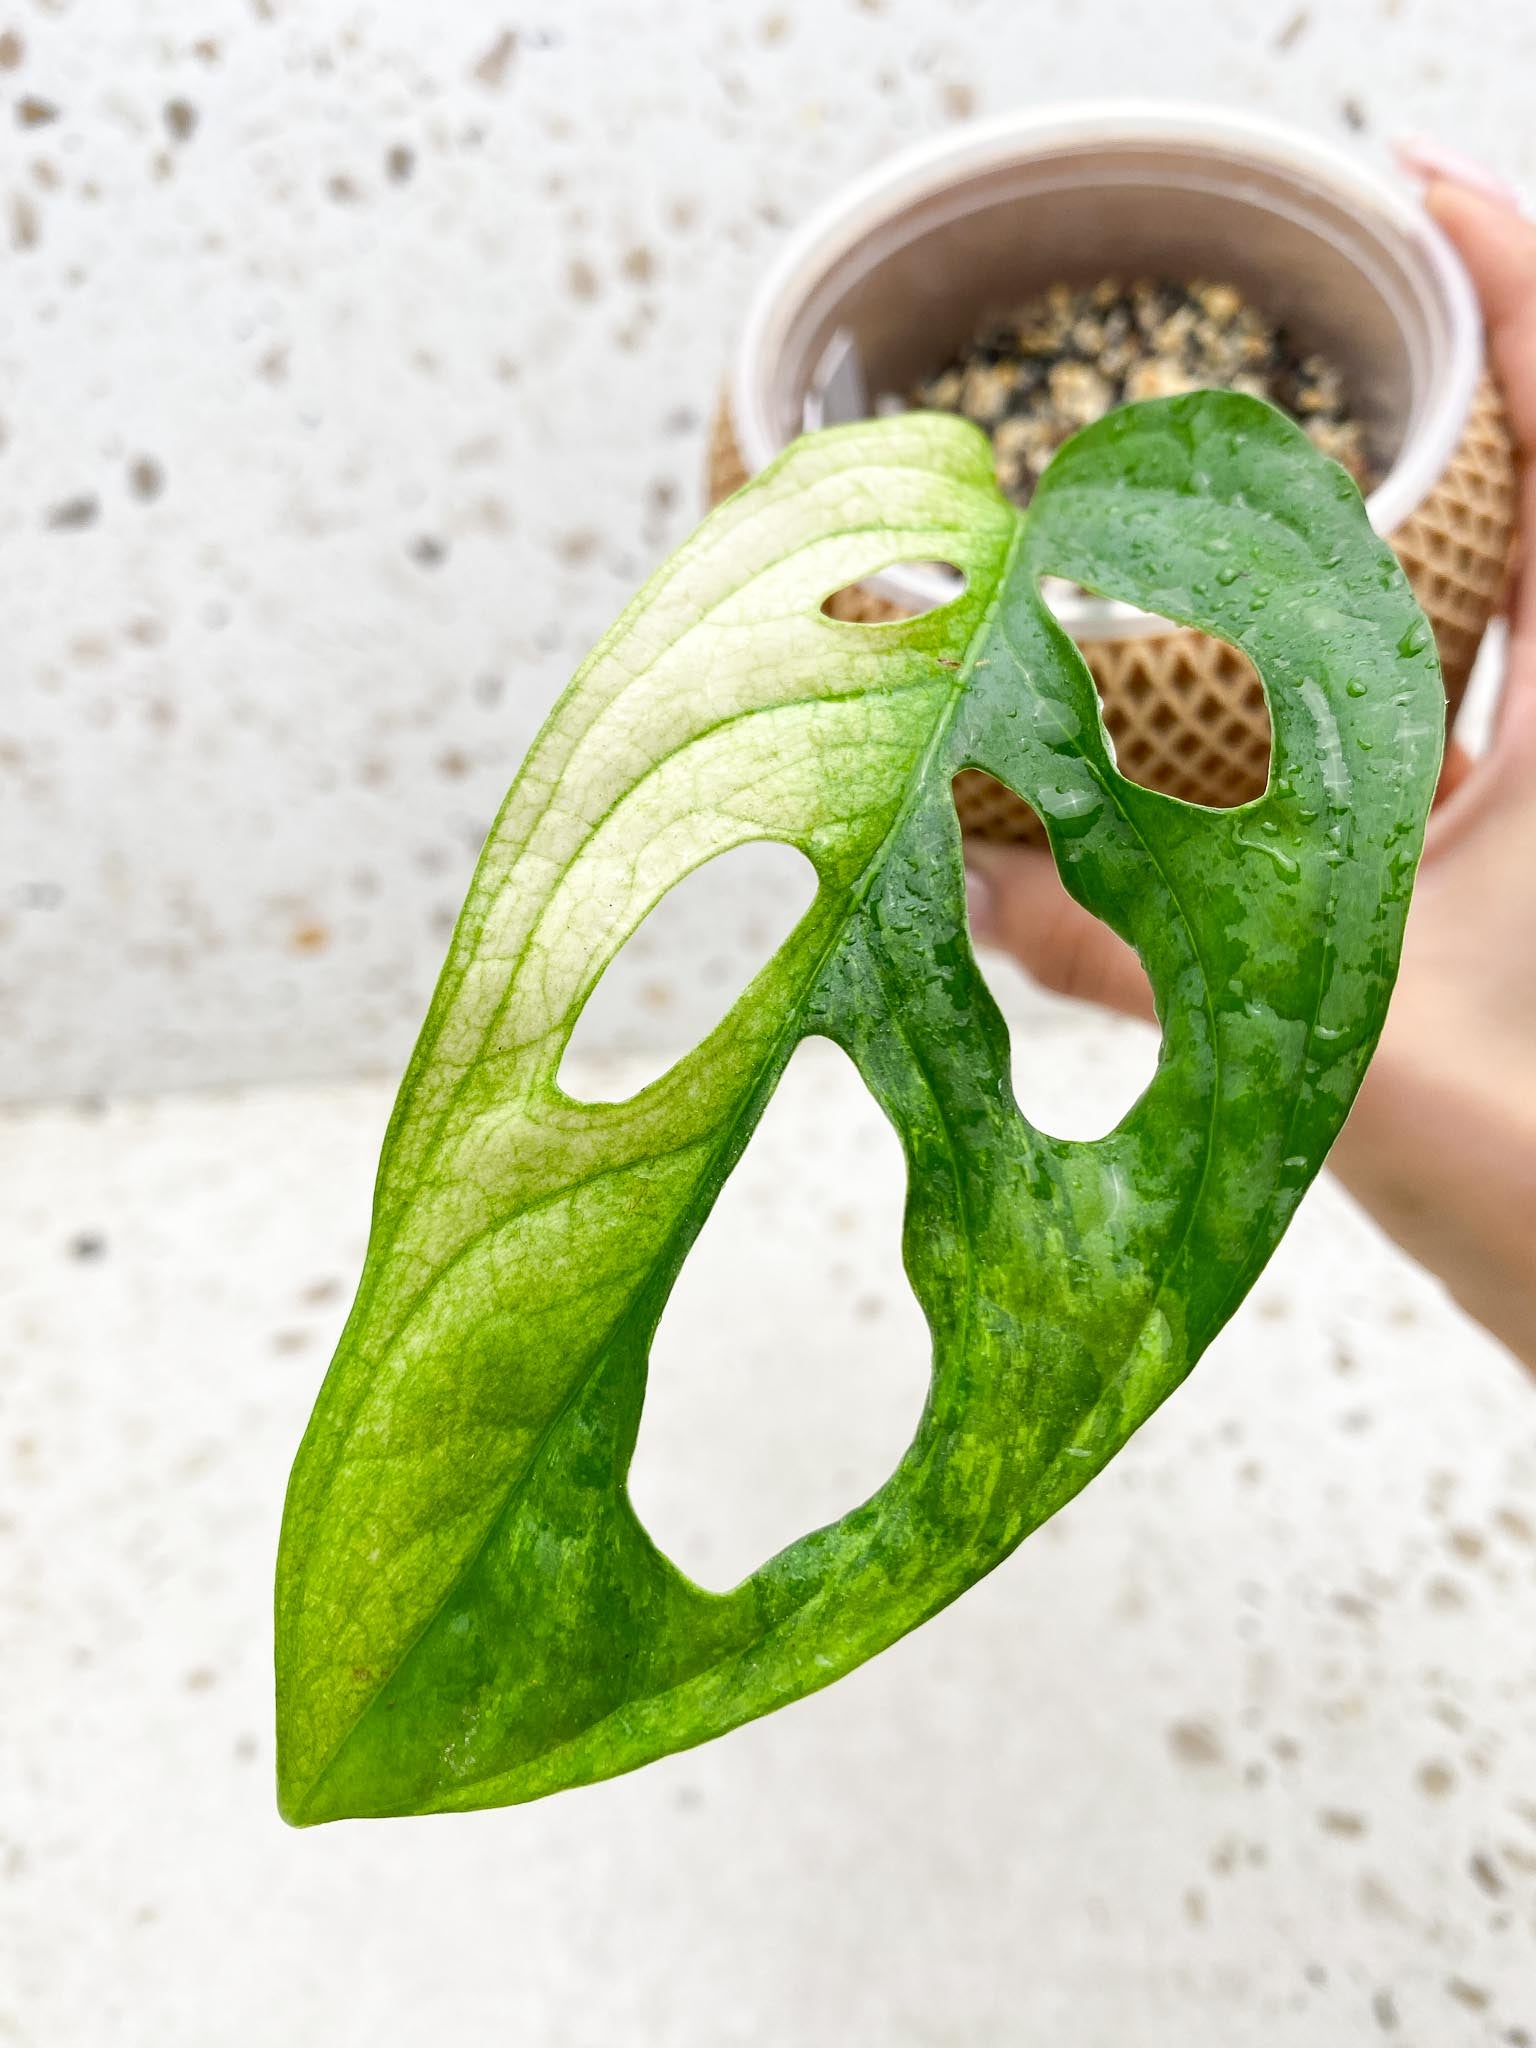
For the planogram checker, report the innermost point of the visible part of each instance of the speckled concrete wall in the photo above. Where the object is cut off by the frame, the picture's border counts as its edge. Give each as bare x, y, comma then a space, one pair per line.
354, 367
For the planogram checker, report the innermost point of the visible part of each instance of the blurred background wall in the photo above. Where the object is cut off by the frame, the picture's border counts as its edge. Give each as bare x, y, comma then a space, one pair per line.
355, 365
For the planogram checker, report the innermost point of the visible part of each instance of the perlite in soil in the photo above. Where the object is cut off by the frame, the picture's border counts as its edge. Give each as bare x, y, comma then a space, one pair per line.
1032, 377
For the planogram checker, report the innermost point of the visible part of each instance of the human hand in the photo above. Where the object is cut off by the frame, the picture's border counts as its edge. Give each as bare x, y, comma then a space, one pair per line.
1440, 1147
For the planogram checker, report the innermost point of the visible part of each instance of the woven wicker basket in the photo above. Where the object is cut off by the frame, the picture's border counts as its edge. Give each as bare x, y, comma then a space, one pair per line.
1186, 712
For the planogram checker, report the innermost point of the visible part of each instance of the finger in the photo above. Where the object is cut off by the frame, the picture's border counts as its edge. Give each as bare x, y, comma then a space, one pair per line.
1018, 904
1474, 791
1498, 247
1457, 766
1480, 213
1424, 158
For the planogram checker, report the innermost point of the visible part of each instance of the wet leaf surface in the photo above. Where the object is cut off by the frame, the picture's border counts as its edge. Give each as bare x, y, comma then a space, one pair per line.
469, 1612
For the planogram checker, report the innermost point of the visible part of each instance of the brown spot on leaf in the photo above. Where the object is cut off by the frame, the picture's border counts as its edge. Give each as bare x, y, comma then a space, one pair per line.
399, 162
146, 479
1333, 1820
180, 117
1435, 1778
581, 280
310, 937
12, 50
32, 112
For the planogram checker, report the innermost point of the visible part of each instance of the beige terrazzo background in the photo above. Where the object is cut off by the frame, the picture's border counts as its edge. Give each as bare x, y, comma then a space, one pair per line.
355, 363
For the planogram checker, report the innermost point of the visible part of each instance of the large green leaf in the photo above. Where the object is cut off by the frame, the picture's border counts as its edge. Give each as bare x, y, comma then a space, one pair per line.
468, 1610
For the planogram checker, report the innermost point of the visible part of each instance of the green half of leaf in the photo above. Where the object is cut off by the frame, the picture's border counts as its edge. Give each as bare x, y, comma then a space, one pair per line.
468, 1610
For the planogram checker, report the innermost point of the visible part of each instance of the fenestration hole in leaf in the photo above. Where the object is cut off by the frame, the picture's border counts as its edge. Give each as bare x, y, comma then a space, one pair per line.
791, 1365
1078, 1068
1186, 715
674, 978
878, 602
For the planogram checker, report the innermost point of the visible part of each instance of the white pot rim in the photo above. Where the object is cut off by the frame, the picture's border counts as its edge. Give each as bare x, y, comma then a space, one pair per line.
928, 168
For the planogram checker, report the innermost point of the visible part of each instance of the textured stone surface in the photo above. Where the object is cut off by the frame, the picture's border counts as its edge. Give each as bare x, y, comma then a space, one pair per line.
355, 363
1240, 1752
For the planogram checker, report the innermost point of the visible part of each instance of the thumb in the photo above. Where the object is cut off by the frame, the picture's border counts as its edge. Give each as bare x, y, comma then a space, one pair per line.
1017, 903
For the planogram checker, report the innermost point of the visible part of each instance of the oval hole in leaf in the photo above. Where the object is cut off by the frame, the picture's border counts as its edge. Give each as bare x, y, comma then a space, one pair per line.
1186, 715
675, 977
1078, 1069
874, 602
791, 1365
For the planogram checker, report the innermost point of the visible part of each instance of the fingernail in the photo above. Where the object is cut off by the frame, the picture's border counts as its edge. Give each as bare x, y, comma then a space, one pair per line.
1423, 158
980, 905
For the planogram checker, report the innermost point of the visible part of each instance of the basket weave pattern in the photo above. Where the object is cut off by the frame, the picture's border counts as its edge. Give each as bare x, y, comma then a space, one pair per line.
1186, 712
